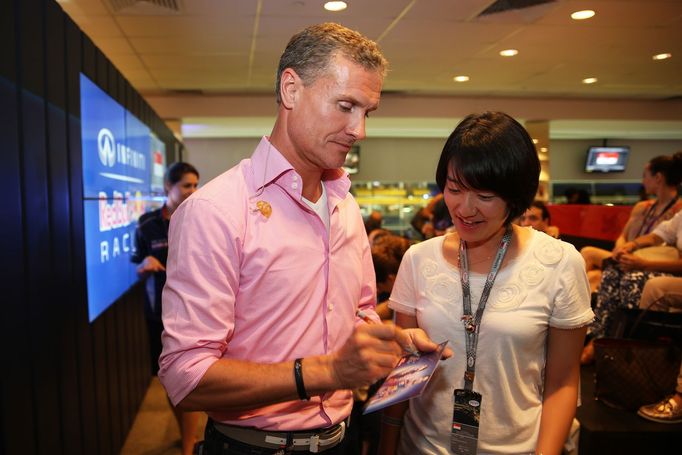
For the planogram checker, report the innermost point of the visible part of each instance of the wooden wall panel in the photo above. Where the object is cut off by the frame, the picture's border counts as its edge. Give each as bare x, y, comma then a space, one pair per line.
38, 236
60, 228
15, 392
85, 378
73, 387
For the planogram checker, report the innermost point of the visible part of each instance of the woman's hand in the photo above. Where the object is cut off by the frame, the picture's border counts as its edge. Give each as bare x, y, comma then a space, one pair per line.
630, 262
625, 248
415, 337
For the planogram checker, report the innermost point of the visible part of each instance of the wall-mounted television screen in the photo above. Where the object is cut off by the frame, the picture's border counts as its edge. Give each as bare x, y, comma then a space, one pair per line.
607, 159
123, 167
352, 163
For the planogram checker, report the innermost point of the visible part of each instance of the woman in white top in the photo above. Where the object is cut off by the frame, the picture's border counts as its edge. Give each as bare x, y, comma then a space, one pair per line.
521, 346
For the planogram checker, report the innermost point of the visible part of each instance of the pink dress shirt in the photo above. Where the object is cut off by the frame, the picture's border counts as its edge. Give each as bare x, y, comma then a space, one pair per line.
241, 285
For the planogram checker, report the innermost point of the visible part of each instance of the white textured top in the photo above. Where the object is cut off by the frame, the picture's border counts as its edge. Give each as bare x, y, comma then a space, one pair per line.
670, 231
545, 285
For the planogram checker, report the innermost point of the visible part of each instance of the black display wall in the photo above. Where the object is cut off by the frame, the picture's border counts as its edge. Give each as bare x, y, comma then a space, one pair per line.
67, 386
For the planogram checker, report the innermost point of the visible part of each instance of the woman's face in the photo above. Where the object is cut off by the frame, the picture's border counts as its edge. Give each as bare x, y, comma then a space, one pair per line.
478, 216
182, 189
649, 181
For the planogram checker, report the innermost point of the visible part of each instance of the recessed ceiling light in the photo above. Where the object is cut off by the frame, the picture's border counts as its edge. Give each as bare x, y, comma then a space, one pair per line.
460, 78
589, 80
543, 149
535, 141
581, 15
509, 52
335, 6
662, 56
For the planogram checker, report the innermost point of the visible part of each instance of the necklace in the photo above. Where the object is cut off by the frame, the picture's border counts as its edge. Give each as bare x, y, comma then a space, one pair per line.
478, 261
487, 257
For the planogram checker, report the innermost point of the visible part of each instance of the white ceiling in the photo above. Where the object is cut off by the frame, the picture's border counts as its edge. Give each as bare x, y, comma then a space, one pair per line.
212, 51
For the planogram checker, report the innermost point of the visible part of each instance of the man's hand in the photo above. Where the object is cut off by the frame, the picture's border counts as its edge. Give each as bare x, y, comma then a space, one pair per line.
373, 350
368, 355
150, 265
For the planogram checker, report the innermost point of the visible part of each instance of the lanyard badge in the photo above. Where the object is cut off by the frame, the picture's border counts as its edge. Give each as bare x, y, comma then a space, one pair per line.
465, 422
467, 402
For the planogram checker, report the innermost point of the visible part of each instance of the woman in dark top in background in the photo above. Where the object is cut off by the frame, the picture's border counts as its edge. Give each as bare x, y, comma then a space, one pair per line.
151, 252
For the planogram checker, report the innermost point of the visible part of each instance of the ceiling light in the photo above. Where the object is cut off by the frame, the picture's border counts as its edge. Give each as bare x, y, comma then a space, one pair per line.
509, 52
543, 149
589, 80
460, 78
335, 6
584, 14
535, 141
662, 56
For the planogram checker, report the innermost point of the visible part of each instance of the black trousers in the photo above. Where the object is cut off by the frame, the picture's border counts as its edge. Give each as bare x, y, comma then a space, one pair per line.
216, 443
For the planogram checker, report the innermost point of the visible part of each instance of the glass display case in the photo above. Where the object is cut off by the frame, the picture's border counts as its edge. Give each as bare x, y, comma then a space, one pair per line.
615, 192
397, 202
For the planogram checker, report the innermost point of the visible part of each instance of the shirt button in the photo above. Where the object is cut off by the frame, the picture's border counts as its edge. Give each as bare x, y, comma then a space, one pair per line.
294, 178
330, 306
294, 185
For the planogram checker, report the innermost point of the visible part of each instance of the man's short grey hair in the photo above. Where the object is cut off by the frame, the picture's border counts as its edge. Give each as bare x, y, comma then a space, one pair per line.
310, 51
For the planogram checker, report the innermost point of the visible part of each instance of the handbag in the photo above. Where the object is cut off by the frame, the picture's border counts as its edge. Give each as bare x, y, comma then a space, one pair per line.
643, 368
631, 373
642, 324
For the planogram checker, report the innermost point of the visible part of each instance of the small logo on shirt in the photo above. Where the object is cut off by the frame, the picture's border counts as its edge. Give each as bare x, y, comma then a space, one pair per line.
159, 244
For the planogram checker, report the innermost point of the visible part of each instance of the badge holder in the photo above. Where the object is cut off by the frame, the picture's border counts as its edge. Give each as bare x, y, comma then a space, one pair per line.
465, 422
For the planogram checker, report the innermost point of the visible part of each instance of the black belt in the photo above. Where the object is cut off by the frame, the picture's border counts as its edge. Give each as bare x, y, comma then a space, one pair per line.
298, 441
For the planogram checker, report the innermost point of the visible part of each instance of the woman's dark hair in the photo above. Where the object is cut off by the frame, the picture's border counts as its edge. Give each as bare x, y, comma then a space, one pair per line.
669, 166
176, 171
492, 152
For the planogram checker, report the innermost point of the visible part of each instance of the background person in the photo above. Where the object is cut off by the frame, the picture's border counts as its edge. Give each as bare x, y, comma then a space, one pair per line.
269, 263
664, 294
577, 196
387, 252
537, 216
526, 337
373, 221
151, 252
660, 178
625, 275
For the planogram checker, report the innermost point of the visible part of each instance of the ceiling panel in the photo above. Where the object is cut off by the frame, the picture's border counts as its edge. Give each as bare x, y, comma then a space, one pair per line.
99, 26
232, 46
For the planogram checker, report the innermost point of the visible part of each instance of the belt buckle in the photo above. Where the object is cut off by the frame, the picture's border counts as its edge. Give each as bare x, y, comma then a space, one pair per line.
314, 445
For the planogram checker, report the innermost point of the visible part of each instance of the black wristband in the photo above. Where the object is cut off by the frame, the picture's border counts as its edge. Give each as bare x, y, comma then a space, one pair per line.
298, 377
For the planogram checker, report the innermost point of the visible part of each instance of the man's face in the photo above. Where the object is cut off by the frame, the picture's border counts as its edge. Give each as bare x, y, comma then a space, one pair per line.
533, 218
329, 115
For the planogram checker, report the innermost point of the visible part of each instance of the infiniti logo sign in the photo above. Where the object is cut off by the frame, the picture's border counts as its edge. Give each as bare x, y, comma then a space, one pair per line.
106, 147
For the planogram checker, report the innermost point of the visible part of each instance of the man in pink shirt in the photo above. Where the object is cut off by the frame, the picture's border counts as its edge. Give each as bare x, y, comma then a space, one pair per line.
269, 263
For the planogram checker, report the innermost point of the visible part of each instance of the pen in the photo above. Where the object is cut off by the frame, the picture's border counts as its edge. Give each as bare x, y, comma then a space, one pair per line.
365, 317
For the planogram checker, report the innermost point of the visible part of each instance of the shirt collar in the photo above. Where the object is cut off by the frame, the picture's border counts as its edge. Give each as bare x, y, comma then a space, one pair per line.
269, 164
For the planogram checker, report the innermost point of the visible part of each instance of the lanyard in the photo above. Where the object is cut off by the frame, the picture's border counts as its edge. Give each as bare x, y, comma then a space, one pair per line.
644, 228
472, 324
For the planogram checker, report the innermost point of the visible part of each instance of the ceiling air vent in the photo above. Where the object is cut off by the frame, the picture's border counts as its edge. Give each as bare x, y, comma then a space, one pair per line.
508, 5
145, 6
